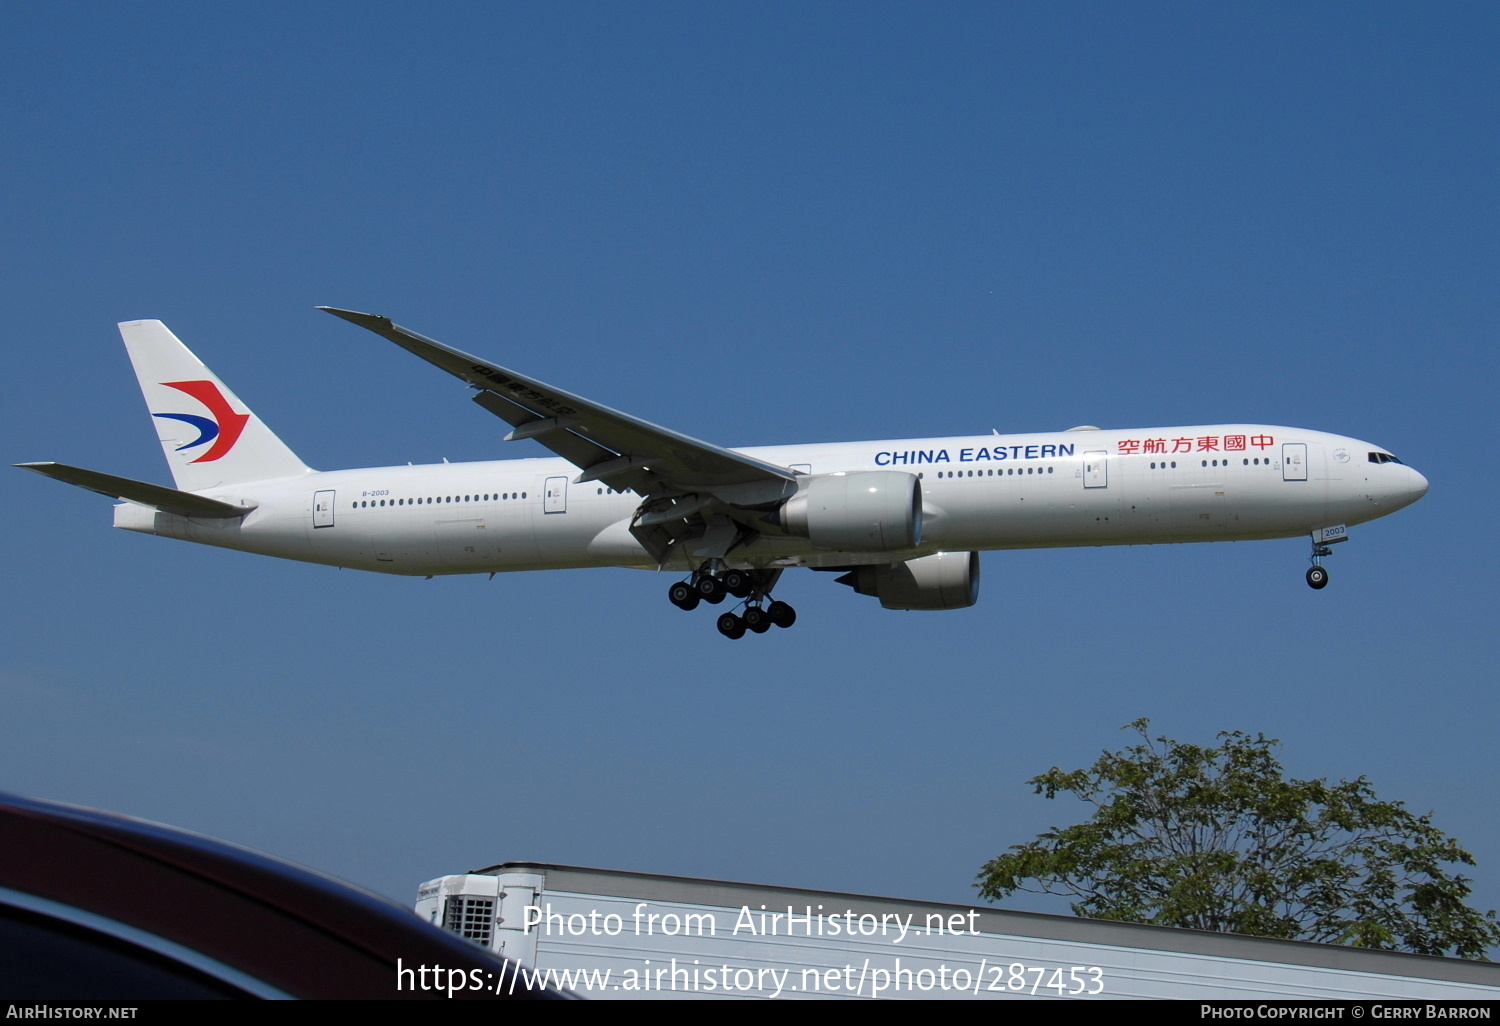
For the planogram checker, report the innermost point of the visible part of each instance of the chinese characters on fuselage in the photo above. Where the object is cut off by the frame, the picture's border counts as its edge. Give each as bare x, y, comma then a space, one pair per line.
1123, 447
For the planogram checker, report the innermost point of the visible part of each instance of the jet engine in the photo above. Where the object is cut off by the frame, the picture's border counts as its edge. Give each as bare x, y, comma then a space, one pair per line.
866, 511
943, 580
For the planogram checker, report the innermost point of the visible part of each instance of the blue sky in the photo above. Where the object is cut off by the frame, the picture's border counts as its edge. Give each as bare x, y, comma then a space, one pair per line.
757, 224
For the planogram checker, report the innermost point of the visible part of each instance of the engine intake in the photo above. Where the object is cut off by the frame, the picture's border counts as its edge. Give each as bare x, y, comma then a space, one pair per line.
867, 511
943, 580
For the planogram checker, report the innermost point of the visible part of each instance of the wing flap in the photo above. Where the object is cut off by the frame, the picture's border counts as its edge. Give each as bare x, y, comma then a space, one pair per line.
577, 450
552, 433
168, 500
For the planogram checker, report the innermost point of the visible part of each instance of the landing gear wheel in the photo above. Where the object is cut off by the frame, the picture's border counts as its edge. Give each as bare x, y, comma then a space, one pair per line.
738, 583
710, 588
781, 614
757, 620
682, 595
731, 626
1317, 577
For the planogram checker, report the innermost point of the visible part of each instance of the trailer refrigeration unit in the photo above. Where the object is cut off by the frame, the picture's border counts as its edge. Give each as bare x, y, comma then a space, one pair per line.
610, 934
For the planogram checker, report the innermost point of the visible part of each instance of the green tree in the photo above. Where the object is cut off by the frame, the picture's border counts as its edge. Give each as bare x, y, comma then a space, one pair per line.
1219, 839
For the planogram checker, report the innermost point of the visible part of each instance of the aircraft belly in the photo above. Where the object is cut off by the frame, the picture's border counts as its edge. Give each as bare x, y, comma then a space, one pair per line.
1200, 510
562, 539
614, 545
464, 542
263, 532
352, 542
496, 538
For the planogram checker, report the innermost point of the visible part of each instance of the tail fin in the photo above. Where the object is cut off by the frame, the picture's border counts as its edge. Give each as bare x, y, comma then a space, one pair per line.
209, 436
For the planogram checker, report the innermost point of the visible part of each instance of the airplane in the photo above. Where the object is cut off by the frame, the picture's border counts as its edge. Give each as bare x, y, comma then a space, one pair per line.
902, 521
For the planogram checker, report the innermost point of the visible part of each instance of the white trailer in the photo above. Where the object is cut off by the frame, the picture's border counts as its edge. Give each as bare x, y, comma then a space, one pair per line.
611, 934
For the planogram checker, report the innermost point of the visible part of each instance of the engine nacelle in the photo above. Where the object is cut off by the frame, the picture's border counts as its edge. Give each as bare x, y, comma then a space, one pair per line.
943, 580
866, 511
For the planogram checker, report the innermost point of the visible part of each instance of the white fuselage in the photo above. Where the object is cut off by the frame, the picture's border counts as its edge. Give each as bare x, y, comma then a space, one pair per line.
1080, 487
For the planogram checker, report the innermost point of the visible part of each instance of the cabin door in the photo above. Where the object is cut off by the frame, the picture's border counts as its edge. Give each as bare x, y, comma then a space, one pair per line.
1294, 461
555, 495
1095, 470
322, 509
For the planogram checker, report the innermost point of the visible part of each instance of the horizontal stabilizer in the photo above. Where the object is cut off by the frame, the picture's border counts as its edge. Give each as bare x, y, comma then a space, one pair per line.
168, 500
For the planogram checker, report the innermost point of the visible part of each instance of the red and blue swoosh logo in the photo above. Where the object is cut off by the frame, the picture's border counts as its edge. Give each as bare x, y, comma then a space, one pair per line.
223, 430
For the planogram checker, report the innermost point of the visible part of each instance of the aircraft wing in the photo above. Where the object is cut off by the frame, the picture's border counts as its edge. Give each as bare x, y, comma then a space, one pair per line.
622, 451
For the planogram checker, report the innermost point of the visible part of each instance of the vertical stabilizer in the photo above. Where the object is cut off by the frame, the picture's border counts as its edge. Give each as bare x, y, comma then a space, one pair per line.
209, 436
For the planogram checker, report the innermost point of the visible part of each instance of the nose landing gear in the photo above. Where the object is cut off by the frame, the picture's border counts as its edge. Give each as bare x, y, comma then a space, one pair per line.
754, 586
1322, 542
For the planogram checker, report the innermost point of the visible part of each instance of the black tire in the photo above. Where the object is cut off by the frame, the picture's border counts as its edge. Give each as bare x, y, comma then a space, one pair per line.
781, 614
738, 583
710, 589
731, 626
757, 620
682, 595
1317, 577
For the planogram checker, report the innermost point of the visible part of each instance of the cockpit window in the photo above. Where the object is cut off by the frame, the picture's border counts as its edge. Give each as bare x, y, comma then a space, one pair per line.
1383, 457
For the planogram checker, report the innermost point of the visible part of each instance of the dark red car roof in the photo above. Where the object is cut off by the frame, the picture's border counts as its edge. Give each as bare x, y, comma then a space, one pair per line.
297, 931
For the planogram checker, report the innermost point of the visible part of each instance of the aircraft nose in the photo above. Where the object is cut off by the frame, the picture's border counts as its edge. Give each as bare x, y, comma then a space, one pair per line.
1418, 486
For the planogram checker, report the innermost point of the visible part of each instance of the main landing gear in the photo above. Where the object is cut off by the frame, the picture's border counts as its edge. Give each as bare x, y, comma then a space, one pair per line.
757, 619
754, 586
